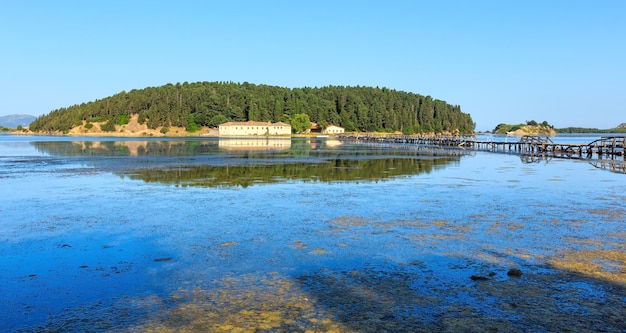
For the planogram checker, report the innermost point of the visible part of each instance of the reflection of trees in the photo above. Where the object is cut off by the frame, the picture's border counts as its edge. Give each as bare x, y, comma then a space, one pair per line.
335, 170
125, 148
205, 163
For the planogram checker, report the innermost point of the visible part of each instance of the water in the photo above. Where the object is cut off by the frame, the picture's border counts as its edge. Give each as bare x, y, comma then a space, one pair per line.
303, 235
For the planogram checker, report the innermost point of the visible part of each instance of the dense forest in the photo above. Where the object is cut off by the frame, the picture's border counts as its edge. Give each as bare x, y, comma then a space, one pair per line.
191, 105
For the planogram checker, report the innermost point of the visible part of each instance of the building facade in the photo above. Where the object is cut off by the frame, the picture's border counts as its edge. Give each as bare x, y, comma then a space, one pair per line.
254, 128
332, 129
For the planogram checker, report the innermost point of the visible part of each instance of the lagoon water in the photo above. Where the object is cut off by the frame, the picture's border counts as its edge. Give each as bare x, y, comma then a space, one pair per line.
297, 235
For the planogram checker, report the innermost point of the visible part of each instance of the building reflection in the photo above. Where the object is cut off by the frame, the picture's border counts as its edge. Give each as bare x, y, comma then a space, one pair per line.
247, 144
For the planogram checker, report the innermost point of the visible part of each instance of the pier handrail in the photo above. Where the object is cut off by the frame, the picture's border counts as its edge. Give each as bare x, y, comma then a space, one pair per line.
612, 147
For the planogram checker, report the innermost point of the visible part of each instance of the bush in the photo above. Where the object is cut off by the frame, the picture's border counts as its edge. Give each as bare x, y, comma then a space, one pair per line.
97, 119
191, 124
164, 130
88, 125
122, 119
109, 126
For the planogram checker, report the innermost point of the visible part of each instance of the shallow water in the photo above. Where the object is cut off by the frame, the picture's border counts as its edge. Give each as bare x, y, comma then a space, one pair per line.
304, 235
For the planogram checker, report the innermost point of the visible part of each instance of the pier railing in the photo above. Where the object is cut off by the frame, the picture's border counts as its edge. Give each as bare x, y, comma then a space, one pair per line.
604, 148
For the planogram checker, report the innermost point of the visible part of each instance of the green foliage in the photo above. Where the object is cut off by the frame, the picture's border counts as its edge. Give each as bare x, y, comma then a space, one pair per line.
96, 119
191, 124
502, 128
164, 130
20, 128
300, 123
505, 128
590, 130
88, 125
122, 119
213, 103
217, 120
109, 126
322, 124
285, 118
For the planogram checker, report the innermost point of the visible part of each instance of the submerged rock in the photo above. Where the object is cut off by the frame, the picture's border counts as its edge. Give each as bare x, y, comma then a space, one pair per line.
163, 259
514, 272
478, 278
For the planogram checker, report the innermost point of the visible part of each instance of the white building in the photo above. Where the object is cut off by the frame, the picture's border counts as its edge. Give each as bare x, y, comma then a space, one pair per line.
252, 128
332, 129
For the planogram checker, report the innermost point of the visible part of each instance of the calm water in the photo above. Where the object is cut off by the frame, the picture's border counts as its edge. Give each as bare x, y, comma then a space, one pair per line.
296, 235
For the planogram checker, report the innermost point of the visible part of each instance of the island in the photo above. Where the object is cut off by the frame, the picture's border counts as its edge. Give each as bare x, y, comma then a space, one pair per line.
200, 108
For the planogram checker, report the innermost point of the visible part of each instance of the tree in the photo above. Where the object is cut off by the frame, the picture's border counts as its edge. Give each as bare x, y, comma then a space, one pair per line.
300, 123
218, 120
191, 124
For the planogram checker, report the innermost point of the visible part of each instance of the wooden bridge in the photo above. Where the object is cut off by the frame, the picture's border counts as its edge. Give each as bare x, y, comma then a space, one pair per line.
604, 148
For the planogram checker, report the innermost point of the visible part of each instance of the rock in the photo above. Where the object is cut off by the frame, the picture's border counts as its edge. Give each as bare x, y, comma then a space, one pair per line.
478, 278
163, 259
514, 272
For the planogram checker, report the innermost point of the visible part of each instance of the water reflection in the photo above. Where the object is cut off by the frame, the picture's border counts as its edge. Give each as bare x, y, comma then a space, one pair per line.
330, 171
254, 144
83, 249
602, 164
126, 148
246, 162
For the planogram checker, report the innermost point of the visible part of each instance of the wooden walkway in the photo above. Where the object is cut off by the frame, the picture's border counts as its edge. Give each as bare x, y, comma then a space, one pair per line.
603, 148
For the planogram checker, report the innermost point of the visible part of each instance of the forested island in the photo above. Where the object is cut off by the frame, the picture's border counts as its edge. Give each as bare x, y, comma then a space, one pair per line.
530, 127
192, 106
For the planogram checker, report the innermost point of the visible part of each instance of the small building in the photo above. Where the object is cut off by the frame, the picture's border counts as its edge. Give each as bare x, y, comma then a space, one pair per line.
254, 128
315, 128
332, 129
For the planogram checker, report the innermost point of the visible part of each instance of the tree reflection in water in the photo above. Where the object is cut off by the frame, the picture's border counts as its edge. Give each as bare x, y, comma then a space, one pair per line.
246, 162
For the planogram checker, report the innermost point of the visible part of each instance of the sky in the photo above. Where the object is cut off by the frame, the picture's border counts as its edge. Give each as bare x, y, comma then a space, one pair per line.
504, 61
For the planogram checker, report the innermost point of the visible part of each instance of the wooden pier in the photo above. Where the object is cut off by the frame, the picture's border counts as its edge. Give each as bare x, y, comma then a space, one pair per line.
603, 148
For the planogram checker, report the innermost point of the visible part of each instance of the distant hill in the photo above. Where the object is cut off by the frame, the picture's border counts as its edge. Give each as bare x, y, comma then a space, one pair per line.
619, 129
15, 120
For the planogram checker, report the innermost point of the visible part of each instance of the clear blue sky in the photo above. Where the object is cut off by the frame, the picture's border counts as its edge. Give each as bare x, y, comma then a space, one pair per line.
563, 61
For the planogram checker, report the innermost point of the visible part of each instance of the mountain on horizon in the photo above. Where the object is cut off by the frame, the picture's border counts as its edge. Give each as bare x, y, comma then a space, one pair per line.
15, 120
